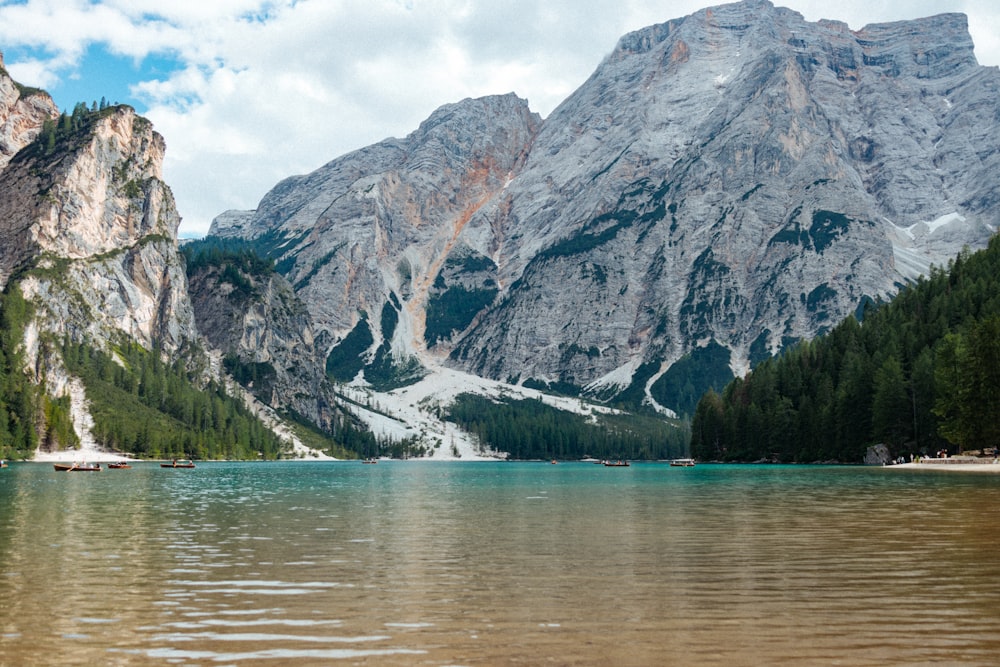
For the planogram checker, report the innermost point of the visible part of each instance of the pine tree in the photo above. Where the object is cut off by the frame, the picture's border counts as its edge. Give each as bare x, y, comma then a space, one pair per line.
890, 404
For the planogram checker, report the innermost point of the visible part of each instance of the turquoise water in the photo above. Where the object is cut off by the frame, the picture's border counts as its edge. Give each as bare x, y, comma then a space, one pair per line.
424, 563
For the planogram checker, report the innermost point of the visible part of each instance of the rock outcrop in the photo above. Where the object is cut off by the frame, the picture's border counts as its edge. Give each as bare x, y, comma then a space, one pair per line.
90, 227
88, 236
88, 233
386, 218
23, 111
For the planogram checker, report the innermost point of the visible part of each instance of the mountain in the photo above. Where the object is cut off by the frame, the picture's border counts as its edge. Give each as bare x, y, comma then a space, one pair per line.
239, 302
23, 111
723, 184
386, 220
100, 348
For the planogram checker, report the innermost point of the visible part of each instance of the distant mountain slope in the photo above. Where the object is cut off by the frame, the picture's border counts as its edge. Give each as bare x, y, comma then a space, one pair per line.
723, 184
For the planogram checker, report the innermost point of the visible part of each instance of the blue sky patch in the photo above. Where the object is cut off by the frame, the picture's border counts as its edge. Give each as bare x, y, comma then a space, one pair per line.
100, 74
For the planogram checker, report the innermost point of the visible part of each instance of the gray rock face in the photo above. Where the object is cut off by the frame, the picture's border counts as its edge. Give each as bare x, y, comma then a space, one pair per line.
232, 224
730, 180
264, 327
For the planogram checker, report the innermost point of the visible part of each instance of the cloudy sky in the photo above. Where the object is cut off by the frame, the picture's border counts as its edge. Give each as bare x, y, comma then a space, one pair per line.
247, 92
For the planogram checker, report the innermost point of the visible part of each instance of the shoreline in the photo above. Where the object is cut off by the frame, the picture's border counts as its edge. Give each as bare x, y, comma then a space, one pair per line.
947, 465
70, 455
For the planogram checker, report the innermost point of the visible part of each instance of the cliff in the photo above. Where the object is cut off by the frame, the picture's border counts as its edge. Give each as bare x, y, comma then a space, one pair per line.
89, 227
252, 316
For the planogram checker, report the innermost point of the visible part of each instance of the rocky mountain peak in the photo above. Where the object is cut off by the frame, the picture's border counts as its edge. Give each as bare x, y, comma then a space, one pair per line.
723, 184
462, 119
710, 27
124, 165
930, 48
381, 222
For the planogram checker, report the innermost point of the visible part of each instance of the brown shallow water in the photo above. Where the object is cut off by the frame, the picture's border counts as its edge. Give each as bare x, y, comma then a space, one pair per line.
498, 564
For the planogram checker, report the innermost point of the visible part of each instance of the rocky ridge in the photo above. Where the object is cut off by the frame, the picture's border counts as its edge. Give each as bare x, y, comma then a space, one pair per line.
756, 167
385, 218
88, 233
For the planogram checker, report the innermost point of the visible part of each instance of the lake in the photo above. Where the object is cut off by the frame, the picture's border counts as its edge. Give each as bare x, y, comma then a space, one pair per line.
421, 563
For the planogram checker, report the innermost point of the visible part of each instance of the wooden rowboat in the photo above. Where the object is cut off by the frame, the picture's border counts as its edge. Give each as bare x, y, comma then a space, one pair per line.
178, 464
118, 465
77, 467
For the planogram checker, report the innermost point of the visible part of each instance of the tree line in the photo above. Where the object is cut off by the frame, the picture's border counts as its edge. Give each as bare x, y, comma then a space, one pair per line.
918, 374
29, 418
68, 124
146, 406
530, 429
239, 262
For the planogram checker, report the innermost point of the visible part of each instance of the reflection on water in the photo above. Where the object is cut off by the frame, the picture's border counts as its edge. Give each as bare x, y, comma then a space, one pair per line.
483, 563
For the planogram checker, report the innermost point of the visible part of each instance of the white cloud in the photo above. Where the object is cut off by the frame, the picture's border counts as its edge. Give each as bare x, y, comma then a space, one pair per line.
271, 88
38, 72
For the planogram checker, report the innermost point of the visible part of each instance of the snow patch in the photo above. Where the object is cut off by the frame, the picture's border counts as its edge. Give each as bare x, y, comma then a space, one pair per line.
937, 224
619, 378
931, 243
414, 411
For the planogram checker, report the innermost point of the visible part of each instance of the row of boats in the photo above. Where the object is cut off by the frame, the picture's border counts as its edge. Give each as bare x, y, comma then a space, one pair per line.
622, 463
674, 463
115, 465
